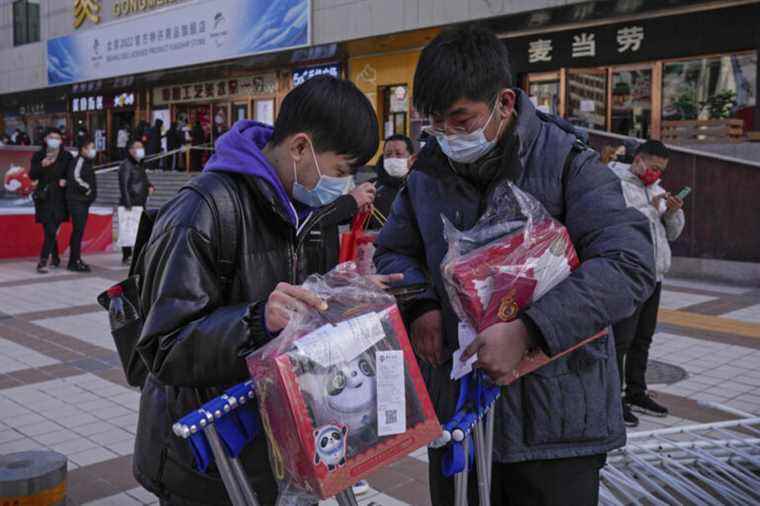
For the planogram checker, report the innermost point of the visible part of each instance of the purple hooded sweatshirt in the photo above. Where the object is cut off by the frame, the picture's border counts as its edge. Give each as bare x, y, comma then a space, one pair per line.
239, 150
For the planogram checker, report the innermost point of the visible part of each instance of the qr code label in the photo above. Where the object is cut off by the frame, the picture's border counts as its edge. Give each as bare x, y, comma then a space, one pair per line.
391, 416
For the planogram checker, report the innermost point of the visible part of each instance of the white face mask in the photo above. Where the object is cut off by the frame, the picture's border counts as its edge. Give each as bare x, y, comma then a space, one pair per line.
467, 148
139, 154
90, 153
396, 167
54, 143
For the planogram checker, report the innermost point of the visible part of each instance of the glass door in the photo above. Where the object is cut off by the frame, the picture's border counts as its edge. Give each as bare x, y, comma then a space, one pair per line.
632, 102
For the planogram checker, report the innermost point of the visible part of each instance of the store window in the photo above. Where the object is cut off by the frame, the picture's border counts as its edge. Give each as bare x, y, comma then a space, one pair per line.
545, 96
632, 102
587, 98
26, 22
710, 88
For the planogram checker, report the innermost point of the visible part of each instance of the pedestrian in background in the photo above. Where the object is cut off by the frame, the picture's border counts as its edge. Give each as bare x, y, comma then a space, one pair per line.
122, 139
48, 170
81, 191
135, 187
392, 169
633, 336
154, 143
173, 142
198, 137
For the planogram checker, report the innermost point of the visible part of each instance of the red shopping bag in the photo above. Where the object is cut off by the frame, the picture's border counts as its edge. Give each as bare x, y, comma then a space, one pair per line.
358, 244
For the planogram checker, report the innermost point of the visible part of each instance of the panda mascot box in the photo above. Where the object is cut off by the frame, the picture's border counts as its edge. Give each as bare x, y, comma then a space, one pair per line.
340, 393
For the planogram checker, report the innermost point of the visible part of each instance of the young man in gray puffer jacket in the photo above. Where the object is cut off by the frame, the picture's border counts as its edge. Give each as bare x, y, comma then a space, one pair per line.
633, 336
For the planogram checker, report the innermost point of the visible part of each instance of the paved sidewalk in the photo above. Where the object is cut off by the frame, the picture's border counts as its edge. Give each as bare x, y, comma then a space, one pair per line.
55, 349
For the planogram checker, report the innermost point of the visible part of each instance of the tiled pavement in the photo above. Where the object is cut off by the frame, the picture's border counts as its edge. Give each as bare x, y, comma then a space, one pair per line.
55, 349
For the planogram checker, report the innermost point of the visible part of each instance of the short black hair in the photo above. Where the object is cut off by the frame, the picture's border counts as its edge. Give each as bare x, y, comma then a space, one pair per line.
336, 114
82, 141
132, 142
52, 130
466, 62
653, 148
405, 139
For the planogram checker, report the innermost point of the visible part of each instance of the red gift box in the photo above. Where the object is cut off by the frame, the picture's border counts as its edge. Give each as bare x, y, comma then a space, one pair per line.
495, 282
321, 406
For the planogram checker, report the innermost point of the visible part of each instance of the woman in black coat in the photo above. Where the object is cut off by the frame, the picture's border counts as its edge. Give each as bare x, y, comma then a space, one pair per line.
49, 172
81, 190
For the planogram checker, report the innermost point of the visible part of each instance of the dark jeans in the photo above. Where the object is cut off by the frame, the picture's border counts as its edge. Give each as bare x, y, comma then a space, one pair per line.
78, 221
557, 482
50, 244
633, 337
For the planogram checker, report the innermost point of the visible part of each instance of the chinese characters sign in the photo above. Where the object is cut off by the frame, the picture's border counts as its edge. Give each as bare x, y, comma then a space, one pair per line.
587, 47
583, 44
215, 90
99, 103
300, 76
187, 35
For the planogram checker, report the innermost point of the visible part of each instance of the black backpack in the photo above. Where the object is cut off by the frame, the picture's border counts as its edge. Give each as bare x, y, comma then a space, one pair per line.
220, 194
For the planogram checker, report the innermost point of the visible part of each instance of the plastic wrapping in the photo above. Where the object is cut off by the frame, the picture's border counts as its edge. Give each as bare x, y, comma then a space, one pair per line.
340, 393
512, 256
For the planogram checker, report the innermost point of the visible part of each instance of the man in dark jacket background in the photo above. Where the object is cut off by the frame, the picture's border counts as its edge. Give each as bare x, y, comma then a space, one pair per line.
134, 188
155, 134
48, 170
392, 168
81, 192
281, 182
555, 426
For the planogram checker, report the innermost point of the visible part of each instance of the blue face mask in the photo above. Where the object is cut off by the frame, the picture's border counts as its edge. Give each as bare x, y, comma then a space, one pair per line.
326, 191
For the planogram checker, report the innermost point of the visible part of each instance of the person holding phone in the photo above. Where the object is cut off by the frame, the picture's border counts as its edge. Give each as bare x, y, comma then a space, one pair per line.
48, 170
633, 336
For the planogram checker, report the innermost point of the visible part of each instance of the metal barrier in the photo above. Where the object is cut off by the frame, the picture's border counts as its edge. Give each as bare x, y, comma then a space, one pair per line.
713, 463
112, 166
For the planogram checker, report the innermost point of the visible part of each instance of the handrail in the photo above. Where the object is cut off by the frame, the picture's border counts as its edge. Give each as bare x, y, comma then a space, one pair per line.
675, 147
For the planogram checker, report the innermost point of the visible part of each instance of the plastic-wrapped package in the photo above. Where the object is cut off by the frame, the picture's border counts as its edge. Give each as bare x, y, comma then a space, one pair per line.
512, 256
339, 391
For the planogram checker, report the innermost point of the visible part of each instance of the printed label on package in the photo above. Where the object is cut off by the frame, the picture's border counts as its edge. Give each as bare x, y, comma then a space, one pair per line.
391, 393
467, 335
334, 344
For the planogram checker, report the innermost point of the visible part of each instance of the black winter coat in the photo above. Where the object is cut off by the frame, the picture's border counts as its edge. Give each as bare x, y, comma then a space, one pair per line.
51, 208
134, 184
81, 184
195, 336
322, 245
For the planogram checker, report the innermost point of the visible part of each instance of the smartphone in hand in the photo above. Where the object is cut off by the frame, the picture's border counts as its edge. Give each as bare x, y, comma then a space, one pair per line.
685, 191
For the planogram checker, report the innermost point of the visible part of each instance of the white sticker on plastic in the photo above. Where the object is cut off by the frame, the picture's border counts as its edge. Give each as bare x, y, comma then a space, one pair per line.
391, 393
467, 335
334, 344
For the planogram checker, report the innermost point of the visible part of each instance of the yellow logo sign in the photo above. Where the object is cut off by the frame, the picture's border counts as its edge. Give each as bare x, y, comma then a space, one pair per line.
86, 9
